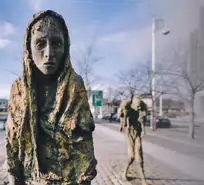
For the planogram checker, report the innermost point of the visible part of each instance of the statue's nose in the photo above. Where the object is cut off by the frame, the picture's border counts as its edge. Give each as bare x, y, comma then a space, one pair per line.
48, 52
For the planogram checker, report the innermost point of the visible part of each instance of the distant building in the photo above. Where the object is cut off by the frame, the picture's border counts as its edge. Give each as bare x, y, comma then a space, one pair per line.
171, 106
110, 107
168, 105
3, 105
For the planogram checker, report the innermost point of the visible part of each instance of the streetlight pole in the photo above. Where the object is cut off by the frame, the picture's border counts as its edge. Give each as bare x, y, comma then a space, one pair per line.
161, 102
166, 32
153, 73
155, 27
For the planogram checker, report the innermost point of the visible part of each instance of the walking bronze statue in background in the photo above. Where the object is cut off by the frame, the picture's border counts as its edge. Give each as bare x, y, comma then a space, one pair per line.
132, 128
50, 125
141, 107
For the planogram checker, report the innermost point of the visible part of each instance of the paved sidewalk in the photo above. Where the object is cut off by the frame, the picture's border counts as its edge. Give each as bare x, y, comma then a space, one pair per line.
170, 135
111, 153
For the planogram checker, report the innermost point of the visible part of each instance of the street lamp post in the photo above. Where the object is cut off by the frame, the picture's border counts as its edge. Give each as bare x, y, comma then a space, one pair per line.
153, 73
161, 102
155, 27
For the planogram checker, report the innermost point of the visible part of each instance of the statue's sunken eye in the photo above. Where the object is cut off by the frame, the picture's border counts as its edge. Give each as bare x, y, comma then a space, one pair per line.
56, 42
41, 43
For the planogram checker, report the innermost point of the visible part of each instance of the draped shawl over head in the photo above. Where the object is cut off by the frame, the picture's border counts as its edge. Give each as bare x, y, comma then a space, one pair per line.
71, 114
139, 105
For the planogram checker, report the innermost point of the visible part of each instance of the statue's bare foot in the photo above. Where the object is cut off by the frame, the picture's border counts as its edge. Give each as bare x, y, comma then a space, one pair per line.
124, 177
144, 182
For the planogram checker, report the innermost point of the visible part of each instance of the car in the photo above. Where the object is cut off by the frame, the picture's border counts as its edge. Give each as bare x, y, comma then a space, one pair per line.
105, 116
161, 122
112, 116
3, 120
115, 117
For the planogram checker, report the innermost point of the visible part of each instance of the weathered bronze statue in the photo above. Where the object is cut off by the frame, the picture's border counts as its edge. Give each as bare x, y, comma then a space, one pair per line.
141, 107
50, 125
132, 127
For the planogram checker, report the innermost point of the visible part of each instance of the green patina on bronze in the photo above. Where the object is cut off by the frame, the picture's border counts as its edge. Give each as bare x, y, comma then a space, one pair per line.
141, 107
63, 133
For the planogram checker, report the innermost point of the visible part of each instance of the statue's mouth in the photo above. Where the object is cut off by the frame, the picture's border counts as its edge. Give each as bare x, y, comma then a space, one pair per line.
49, 64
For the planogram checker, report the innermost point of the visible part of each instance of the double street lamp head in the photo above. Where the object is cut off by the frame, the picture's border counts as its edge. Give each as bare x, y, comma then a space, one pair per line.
166, 32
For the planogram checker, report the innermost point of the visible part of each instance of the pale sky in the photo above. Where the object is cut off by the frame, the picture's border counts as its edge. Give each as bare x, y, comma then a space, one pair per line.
121, 30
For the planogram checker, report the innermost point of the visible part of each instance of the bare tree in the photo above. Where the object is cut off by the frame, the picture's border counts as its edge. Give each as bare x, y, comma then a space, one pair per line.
139, 81
187, 82
129, 81
15, 73
161, 88
86, 62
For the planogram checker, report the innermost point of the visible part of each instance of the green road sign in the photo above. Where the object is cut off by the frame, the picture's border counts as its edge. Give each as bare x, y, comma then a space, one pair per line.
97, 98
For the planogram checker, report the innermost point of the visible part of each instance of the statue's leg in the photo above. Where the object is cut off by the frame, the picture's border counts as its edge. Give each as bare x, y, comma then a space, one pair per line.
143, 125
131, 151
140, 160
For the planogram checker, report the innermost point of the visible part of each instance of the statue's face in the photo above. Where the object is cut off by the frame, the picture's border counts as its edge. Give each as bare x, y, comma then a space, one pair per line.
47, 46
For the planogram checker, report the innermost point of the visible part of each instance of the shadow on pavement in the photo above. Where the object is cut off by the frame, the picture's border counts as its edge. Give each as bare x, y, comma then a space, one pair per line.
106, 122
167, 179
183, 126
171, 179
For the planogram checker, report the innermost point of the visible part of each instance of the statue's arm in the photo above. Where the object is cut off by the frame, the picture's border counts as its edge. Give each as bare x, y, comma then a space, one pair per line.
121, 125
127, 120
13, 164
144, 118
87, 123
121, 121
82, 134
12, 146
143, 126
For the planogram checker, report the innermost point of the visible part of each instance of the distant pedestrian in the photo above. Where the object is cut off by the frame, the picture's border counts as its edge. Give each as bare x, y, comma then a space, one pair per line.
110, 117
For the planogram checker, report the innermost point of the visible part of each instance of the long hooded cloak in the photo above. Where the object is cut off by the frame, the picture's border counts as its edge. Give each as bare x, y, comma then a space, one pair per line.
71, 120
